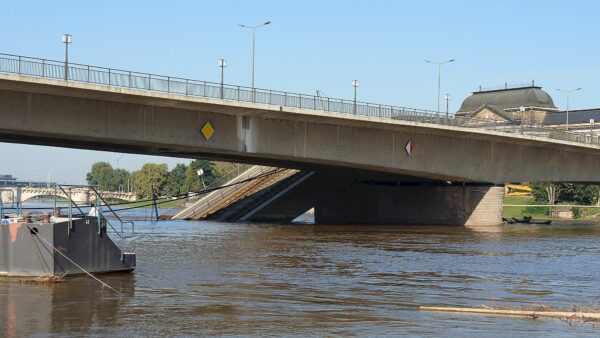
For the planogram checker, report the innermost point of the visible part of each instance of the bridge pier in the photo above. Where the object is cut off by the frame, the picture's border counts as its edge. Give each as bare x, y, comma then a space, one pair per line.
468, 205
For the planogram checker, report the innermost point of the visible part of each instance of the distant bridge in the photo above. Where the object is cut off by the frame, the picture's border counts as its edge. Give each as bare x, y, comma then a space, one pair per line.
78, 195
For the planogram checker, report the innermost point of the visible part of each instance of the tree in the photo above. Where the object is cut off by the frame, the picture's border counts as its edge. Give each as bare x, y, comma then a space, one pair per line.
193, 182
223, 168
544, 192
585, 194
208, 167
151, 178
565, 192
101, 175
121, 180
176, 180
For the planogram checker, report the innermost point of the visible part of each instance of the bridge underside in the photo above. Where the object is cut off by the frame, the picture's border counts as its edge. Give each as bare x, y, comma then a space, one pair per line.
343, 197
89, 116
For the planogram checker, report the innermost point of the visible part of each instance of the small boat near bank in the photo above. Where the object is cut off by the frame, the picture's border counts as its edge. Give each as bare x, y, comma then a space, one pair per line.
525, 220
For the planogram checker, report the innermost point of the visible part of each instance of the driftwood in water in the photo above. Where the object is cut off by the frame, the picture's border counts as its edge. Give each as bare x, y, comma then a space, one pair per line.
533, 313
46, 279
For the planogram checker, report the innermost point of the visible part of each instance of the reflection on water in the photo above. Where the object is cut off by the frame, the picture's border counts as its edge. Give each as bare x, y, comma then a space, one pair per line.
204, 278
75, 306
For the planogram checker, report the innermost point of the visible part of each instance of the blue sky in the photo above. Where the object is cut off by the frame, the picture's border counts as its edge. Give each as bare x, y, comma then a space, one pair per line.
311, 45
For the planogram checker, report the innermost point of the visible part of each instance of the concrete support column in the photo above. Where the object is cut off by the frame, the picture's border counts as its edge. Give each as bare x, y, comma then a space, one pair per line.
413, 205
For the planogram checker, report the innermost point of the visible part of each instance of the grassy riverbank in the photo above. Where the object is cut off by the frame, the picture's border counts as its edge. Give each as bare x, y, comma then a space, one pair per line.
538, 213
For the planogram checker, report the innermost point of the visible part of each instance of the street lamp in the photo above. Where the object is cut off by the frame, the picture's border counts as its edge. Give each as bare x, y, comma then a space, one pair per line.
591, 130
447, 97
200, 173
355, 84
439, 78
253, 28
222, 64
568, 92
67, 39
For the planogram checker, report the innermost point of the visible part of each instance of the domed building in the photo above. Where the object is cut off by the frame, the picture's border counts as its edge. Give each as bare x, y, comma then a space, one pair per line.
523, 105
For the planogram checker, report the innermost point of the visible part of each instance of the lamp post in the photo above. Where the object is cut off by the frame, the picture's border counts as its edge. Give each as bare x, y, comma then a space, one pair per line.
447, 97
253, 28
355, 84
222, 64
67, 39
439, 64
568, 92
200, 173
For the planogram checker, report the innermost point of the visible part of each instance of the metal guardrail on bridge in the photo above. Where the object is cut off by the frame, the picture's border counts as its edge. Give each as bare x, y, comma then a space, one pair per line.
129, 79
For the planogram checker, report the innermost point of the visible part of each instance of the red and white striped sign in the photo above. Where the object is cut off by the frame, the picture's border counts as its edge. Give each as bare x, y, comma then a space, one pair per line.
410, 148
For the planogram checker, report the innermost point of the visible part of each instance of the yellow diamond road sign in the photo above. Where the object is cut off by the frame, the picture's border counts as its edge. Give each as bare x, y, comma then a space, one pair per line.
208, 130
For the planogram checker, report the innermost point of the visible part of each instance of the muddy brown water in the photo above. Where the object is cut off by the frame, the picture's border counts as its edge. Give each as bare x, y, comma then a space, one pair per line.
219, 279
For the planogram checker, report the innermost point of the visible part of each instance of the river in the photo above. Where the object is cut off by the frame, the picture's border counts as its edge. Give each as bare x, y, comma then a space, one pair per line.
217, 279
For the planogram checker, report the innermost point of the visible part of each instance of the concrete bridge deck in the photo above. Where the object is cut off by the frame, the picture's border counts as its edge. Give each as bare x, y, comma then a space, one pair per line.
90, 116
387, 143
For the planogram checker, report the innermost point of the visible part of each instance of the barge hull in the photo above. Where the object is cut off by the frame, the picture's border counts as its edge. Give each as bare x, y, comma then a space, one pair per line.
34, 249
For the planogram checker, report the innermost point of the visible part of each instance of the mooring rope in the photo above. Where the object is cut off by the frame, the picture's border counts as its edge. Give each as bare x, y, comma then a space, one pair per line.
40, 254
70, 260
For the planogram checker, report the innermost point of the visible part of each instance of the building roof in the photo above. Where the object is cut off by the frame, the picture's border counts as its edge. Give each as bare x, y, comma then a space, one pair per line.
575, 117
531, 96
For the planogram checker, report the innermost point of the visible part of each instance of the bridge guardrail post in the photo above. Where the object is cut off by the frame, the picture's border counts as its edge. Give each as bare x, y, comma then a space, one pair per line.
109, 81
149, 81
168, 84
129, 81
19, 66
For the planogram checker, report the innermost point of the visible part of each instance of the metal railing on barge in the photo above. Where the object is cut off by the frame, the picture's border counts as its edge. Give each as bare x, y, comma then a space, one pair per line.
100, 204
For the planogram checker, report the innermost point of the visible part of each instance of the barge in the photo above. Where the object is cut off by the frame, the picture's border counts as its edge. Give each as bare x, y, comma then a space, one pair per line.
49, 243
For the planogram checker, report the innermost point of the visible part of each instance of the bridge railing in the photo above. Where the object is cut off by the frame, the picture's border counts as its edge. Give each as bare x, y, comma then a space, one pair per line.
586, 136
129, 79
159, 83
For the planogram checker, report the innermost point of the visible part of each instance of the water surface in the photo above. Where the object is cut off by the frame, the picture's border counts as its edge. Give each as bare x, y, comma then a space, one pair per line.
209, 279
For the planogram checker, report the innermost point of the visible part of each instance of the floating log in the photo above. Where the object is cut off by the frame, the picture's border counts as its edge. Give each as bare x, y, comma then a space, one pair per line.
522, 313
46, 279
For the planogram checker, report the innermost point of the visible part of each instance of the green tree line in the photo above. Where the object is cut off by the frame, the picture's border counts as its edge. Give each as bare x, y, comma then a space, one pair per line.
157, 178
583, 194
563, 193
